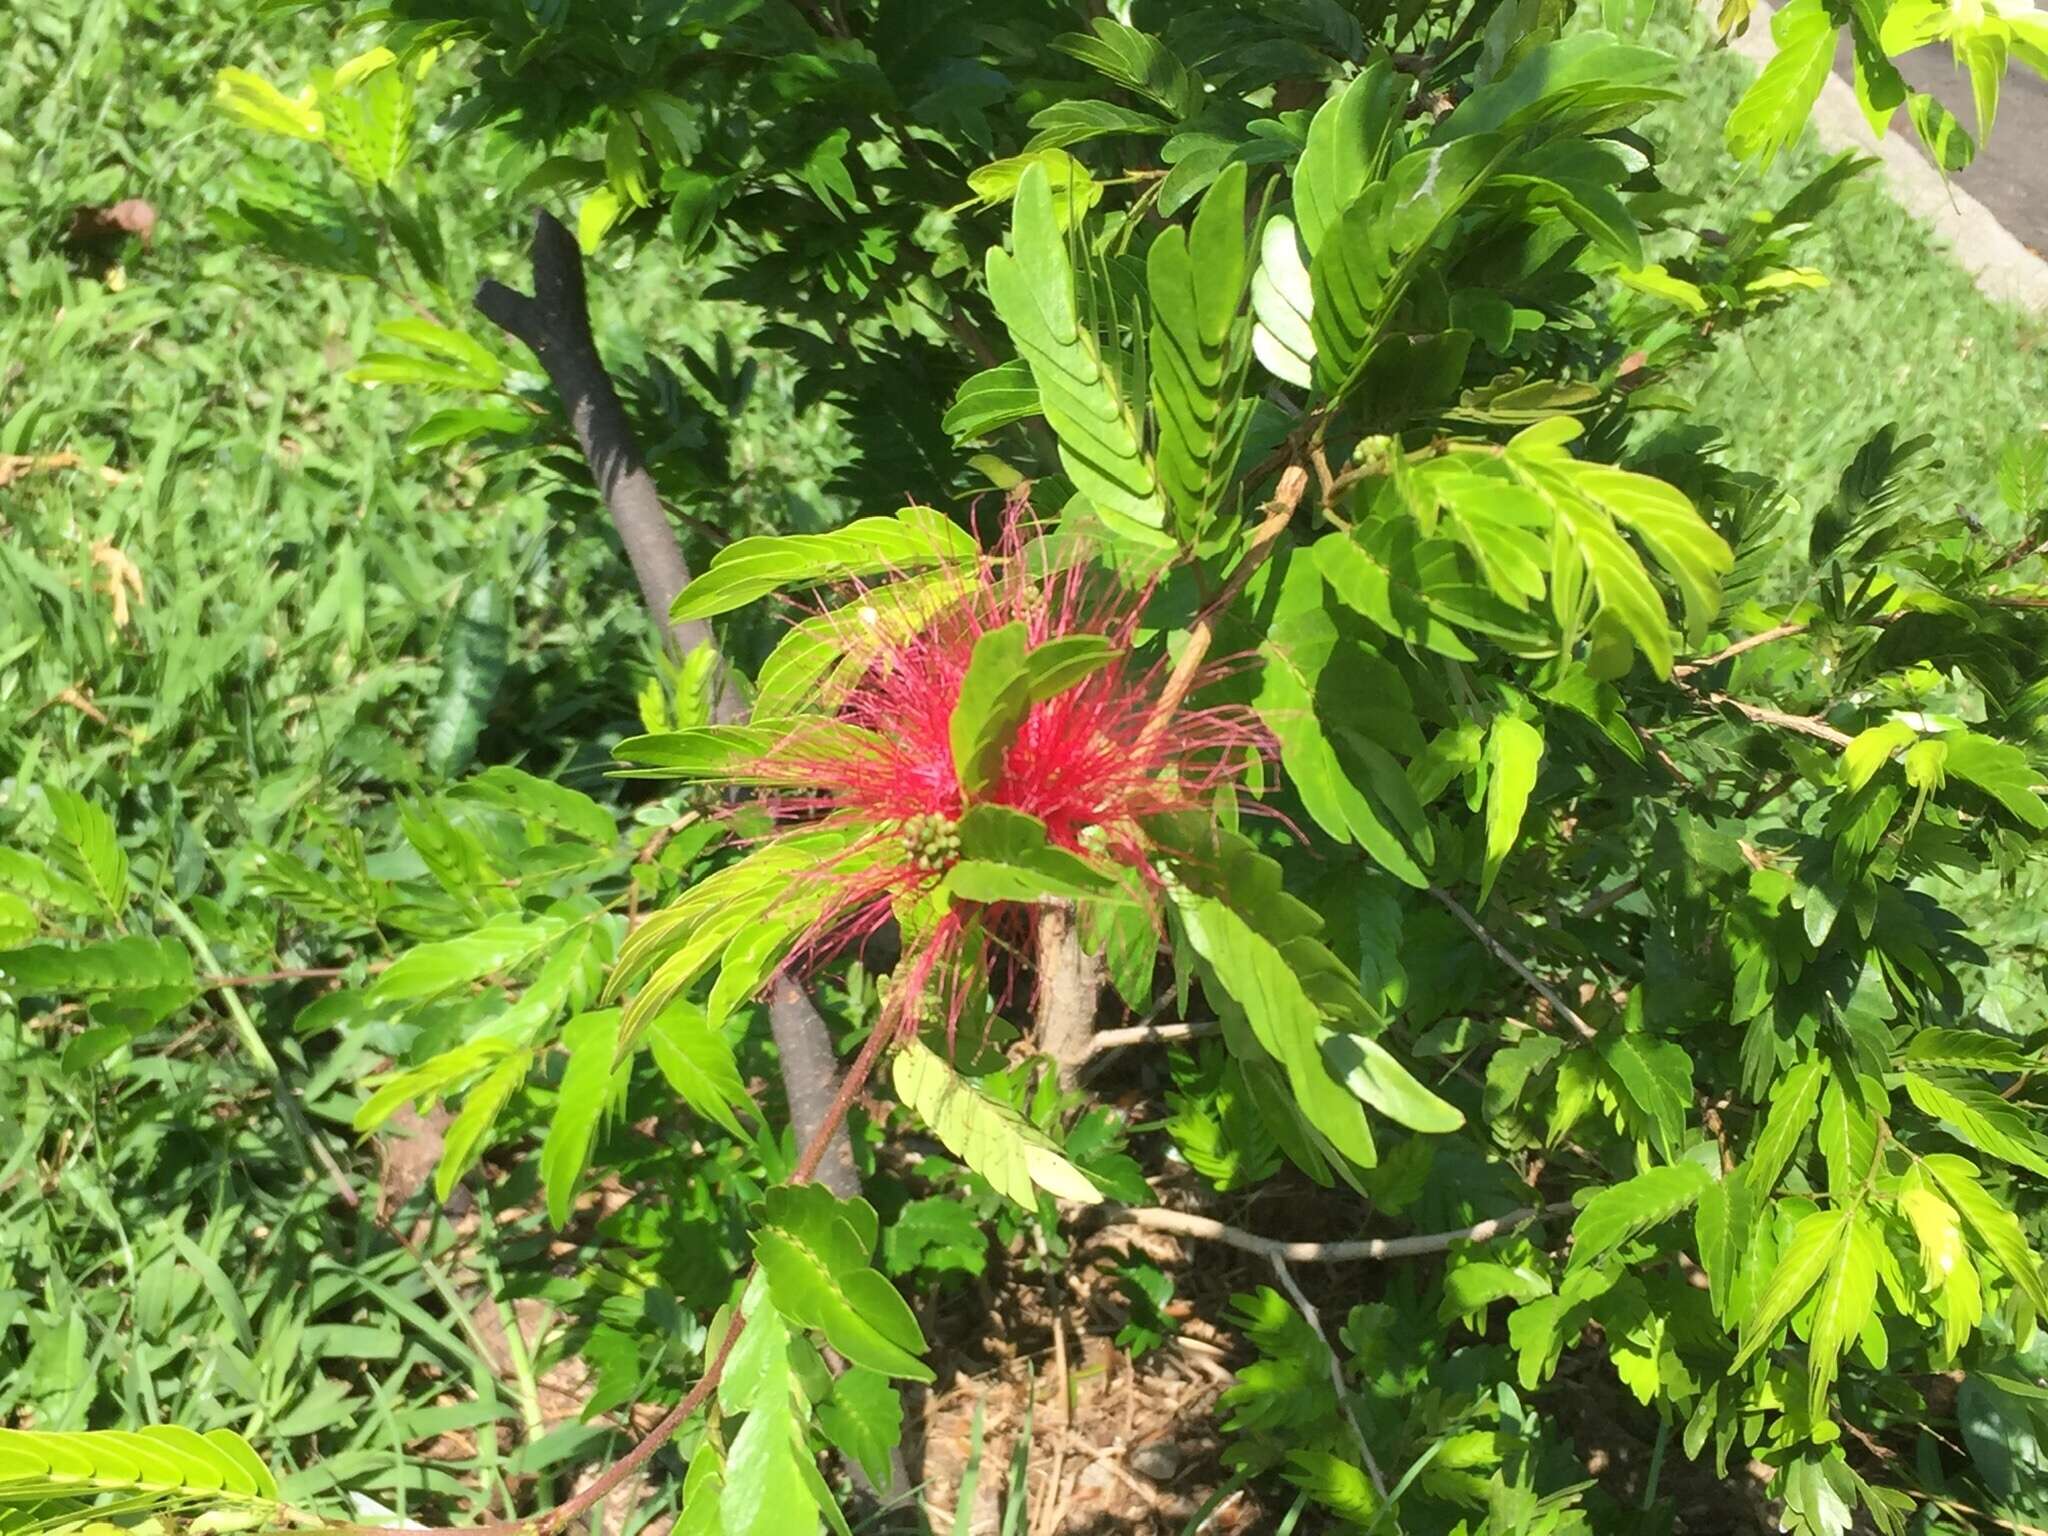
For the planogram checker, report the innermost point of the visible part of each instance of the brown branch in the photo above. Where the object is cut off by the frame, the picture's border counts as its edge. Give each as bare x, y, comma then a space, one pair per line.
290, 973
1730, 652
1069, 990
1279, 512
1150, 1034
1802, 725
554, 321
1506, 957
1186, 1224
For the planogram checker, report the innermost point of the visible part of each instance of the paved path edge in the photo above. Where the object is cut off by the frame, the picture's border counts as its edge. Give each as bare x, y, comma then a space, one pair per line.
2004, 270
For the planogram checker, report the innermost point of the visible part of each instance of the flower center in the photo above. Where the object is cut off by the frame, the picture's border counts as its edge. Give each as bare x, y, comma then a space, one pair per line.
933, 842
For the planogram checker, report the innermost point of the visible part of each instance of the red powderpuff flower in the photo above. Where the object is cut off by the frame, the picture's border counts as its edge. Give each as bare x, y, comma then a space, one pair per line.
1092, 762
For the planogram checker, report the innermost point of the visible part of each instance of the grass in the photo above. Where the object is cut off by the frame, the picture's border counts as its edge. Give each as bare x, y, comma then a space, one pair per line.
1901, 335
226, 599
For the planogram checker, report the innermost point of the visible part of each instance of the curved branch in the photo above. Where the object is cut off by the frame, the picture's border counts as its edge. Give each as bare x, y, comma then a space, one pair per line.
1276, 1250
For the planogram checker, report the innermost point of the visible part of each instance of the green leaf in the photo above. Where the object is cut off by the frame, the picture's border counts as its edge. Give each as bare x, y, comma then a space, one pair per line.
1983, 1119
87, 850
1774, 109
1074, 190
257, 103
369, 126
463, 1142
1349, 141
1081, 119
814, 1249
159, 1467
1964, 1048
1843, 1307
699, 1065
990, 1137
592, 1085
995, 696
1995, 1228
504, 944
1624, 1211
765, 1491
1586, 83
1372, 1072
1514, 748
472, 356
112, 966
1138, 61
473, 661
1263, 979
705, 751
913, 539
993, 398
1196, 282
543, 803
1657, 1076
29, 876
1059, 663
864, 1418
1588, 500
1812, 1248
1101, 442
2023, 474
2001, 770
1790, 1117
1283, 302
1362, 269
1948, 142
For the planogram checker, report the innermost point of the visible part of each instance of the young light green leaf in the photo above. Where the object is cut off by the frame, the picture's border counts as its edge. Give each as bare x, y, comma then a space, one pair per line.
2001, 770
504, 944
1842, 1309
864, 1418
991, 1138
1349, 140
1996, 1230
1262, 978
1283, 301
1812, 1249
592, 1084
1790, 1117
745, 569
1982, 1119
699, 1065
993, 398
1774, 109
1623, 1211
1514, 749
463, 1142
87, 850
1657, 1077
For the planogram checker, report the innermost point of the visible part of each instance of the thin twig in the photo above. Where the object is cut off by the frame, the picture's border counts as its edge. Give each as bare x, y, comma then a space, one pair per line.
1314, 1319
289, 973
1597, 904
1202, 634
1730, 652
1151, 1034
1804, 725
1186, 1224
1507, 958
